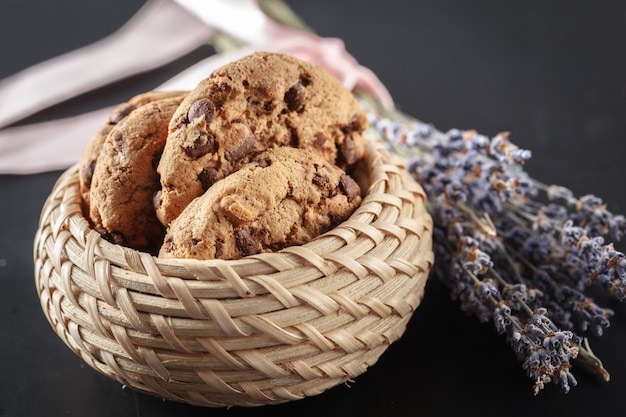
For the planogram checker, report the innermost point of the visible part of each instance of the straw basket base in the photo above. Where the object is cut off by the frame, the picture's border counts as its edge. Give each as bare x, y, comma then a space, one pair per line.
264, 329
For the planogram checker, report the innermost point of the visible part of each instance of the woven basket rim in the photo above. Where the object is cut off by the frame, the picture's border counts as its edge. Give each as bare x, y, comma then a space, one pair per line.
375, 157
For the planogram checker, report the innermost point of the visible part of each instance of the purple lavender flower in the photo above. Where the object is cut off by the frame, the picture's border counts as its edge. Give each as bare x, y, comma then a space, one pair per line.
520, 296
503, 319
586, 313
549, 217
546, 352
506, 254
594, 260
474, 260
487, 289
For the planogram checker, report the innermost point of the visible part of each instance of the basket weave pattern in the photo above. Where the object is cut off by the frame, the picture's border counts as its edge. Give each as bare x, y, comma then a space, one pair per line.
265, 329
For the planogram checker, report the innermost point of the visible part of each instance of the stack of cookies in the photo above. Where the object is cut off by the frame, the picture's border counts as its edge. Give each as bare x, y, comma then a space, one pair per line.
257, 157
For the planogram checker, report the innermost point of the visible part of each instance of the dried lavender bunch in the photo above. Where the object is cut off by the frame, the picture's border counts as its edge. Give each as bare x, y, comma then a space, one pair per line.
512, 250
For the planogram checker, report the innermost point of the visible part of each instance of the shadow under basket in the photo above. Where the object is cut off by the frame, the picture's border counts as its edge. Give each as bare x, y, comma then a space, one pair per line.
265, 329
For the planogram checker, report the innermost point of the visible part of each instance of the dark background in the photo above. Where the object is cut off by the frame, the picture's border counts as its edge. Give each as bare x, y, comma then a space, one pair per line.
552, 73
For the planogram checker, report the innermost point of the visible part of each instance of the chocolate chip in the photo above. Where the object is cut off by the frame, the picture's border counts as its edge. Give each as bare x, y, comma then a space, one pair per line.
320, 180
219, 243
294, 139
348, 151
268, 106
169, 244
202, 107
224, 87
193, 241
120, 112
294, 97
241, 151
324, 184
245, 242
349, 187
207, 177
305, 80
347, 129
335, 219
88, 172
264, 163
205, 143
114, 237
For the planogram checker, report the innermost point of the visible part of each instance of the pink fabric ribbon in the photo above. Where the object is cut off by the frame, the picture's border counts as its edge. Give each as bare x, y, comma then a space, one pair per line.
57, 144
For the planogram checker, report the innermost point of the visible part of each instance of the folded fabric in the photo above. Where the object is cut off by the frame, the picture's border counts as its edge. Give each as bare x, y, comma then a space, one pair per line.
57, 144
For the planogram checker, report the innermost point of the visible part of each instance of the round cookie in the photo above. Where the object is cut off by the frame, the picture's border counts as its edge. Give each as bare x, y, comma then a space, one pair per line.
255, 103
89, 157
285, 197
125, 179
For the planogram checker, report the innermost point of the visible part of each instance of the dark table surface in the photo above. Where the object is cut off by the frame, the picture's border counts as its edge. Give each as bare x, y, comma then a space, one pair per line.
552, 73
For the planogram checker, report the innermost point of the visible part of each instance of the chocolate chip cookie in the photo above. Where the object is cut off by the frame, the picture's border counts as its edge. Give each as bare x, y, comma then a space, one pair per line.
87, 163
284, 197
253, 104
125, 180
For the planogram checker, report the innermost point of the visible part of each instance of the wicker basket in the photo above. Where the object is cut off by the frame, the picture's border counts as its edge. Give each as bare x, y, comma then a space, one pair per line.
266, 329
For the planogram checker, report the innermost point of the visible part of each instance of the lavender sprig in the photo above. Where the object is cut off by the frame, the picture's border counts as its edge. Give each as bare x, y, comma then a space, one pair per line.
512, 250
